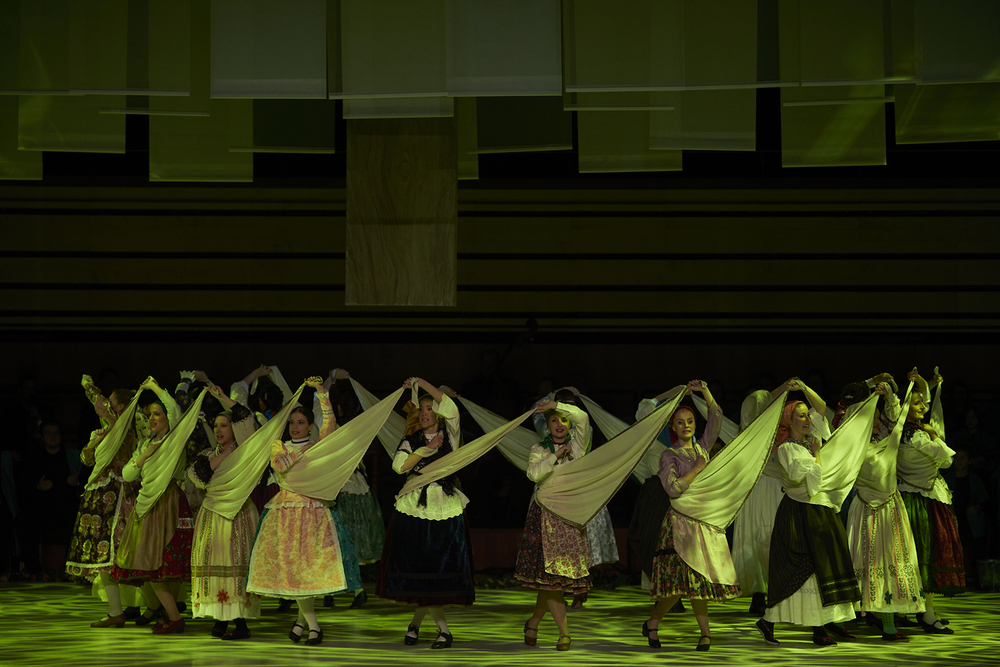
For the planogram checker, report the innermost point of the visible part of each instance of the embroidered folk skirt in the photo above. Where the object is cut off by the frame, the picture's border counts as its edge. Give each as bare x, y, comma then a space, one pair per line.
672, 576
220, 564
885, 557
554, 556
100, 524
157, 547
426, 562
939, 548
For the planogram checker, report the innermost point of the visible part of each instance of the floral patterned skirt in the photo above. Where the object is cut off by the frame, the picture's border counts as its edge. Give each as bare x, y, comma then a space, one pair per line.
554, 556
302, 550
672, 576
220, 563
100, 524
143, 543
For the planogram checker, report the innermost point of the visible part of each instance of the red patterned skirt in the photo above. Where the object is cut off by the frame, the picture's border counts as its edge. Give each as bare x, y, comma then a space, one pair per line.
141, 544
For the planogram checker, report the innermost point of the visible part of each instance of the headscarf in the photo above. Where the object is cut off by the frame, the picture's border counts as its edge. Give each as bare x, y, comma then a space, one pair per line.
785, 425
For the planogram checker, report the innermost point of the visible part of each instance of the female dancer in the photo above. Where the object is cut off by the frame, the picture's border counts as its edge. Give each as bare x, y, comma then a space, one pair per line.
104, 506
878, 529
928, 503
220, 557
302, 549
554, 556
156, 548
810, 575
425, 560
672, 576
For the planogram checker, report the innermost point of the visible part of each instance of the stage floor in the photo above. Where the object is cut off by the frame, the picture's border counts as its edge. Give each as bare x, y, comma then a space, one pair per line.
48, 624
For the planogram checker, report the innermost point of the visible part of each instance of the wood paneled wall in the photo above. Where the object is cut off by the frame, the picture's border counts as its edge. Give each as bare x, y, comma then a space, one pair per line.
213, 259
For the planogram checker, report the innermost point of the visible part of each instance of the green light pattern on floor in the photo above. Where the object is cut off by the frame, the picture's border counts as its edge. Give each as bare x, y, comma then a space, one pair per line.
48, 623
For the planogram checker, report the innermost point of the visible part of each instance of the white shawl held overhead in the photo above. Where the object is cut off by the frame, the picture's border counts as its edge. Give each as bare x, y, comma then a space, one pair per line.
162, 467
451, 463
113, 439
240, 472
395, 426
324, 468
842, 455
578, 490
876, 481
704, 511
516, 445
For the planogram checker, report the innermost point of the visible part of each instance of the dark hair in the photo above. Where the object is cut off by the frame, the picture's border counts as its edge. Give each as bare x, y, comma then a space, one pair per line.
565, 396
272, 397
123, 396
305, 412
853, 392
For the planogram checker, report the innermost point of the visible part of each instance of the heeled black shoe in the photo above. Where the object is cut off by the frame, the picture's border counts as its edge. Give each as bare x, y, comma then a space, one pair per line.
220, 628
318, 639
646, 631
293, 636
407, 639
704, 647
443, 644
820, 638
158, 613
932, 629
840, 632
238, 633
328, 601
767, 632
359, 600
530, 641
895, 637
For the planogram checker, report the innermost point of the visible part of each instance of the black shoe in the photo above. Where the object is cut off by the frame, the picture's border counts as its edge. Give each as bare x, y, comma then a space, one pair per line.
758, 603
146, 620
904, 622
820, 638
284, 605
220, 628
295, 637
706, 646
840, 632
895, 637
318, 639
328, 601
646, 631
407, 639
932, 629
438, 643
132, 613
359, 600
238, 633
767, 632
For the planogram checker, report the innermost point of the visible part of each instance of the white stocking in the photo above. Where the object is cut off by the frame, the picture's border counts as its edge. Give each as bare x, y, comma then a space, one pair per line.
307, 611
437, 613
114, 597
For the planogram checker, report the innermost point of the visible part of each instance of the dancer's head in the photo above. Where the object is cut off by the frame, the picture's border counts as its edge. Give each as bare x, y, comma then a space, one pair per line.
223, 428
559, 425
682, 425
917, 407
300, 423
157, 414
753, 406
791, 423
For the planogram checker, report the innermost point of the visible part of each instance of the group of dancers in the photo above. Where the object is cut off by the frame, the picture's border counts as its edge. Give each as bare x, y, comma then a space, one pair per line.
275, 504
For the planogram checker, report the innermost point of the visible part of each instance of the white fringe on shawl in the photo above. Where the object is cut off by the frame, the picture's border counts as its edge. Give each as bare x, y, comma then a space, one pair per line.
842, 455
113, 439
711, 502
325, 467
451, 463
235, 478
576, 491
168, 460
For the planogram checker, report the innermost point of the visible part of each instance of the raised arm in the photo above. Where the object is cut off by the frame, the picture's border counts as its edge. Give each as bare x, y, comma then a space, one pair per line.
173, 411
